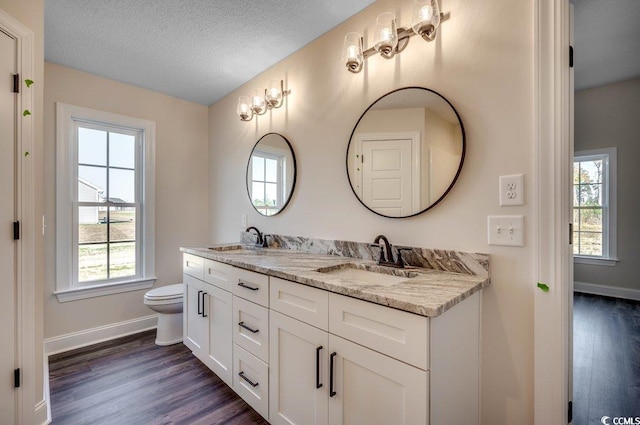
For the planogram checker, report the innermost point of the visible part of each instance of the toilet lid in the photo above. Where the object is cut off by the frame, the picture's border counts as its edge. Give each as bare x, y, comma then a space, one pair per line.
165, 292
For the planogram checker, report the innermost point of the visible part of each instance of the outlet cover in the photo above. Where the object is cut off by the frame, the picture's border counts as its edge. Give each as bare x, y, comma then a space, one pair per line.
507, 230
512, 190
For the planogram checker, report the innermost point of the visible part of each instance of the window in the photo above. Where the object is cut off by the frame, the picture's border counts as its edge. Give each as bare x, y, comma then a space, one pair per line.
105, 203
268, 171
594, 206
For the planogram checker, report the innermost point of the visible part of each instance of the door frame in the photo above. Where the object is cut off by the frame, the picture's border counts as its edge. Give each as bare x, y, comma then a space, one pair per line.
552, 167
25, 296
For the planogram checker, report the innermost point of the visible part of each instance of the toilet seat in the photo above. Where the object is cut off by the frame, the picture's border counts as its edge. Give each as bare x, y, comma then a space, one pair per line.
165, 293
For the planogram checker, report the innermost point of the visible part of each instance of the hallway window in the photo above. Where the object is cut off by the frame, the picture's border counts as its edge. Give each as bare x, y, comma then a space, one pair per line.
105, 241
594, 212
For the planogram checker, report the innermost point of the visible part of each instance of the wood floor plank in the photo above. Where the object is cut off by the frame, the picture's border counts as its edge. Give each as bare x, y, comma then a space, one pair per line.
606, 358
133, 381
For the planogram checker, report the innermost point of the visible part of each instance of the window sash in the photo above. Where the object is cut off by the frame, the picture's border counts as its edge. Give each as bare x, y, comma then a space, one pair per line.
138, 135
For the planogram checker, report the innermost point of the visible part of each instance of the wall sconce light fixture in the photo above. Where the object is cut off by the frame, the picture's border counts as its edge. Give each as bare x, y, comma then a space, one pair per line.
259, 103
388, 39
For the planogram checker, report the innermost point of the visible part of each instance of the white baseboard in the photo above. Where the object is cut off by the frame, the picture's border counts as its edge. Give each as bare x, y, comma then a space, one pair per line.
43, 408
62, 343
607, 291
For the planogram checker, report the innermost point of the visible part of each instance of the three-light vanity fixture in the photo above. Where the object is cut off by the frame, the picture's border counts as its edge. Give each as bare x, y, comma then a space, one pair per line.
260, 103
388, 38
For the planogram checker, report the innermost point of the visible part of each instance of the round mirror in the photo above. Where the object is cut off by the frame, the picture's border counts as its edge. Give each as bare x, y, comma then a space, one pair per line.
271, 174
405, 152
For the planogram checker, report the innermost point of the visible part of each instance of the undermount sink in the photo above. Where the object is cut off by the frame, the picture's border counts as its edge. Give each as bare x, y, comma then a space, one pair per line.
379, 276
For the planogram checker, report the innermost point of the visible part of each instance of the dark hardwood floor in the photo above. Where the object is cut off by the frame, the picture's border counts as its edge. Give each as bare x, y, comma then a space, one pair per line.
133, 381
606, 358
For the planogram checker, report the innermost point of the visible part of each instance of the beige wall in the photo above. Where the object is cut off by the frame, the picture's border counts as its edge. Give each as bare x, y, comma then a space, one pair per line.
181, 188
605, 117
482, 62
31, 14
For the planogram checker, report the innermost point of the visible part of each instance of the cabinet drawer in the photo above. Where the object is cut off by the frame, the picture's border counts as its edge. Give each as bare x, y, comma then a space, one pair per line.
251, 286
251, 327
307, 304
218, 274
193, 266
396, 333
251, 380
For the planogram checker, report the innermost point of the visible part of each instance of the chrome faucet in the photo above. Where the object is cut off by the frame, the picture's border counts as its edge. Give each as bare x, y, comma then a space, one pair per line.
386, 252
259, 238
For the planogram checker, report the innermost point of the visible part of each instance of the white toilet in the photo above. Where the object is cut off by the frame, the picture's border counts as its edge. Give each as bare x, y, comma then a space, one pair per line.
167, 301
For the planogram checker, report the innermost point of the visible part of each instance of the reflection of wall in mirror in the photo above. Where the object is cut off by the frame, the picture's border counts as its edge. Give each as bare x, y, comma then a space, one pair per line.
442, 151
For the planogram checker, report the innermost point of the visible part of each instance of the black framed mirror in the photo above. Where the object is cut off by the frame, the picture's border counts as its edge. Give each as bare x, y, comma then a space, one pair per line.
271, 174
405, 152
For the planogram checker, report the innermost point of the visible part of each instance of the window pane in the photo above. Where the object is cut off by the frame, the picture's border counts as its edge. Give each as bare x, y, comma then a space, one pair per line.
591, 220
92, 146
576, 172
122, 186
258, 168
257, 193
92, 183
576, 220
591, 195
122, 224
271, 195
271, 170
591, 171
122, 150
91, 228
122, 257
92, 262
591, 243
576, 195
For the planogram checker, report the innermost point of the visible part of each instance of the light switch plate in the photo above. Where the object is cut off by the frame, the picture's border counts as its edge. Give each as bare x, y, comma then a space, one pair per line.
507, 230
512, 190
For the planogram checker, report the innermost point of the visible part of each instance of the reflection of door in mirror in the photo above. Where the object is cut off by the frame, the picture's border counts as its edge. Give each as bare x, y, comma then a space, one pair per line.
268, 176
390, 172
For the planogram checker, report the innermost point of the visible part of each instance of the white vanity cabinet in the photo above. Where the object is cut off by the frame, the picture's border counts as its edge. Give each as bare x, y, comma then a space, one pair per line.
207, 313
303, 355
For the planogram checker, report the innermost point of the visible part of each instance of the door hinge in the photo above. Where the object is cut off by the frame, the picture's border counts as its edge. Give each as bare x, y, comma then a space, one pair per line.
16, 83
362, 159
16, 378
570, 56
570, 412
16, 230
570, 233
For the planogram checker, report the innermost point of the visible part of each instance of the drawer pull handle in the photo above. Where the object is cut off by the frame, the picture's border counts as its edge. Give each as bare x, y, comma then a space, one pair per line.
331, 391
242, 325
318, 383
204, 311
199, 303
244, 285
253, 384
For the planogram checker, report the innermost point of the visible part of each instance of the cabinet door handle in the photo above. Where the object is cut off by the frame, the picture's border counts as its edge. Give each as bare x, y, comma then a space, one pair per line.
199, 303
253, 384
331, 391
204, 311
242, 325
318, 383
244, 285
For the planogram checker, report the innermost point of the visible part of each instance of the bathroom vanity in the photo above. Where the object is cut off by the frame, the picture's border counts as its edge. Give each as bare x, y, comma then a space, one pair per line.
310, 338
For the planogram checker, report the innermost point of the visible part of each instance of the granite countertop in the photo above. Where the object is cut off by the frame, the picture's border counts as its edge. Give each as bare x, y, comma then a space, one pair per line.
426, 292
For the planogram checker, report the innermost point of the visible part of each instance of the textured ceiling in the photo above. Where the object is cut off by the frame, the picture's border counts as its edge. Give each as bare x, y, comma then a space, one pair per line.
198, 50
607, 41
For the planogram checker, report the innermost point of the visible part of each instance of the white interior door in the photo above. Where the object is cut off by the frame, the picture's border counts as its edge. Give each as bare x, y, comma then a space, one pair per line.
8, 276
387, 171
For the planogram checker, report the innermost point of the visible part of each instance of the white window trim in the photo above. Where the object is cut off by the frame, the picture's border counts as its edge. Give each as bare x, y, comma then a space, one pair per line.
65, 160
610, 188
